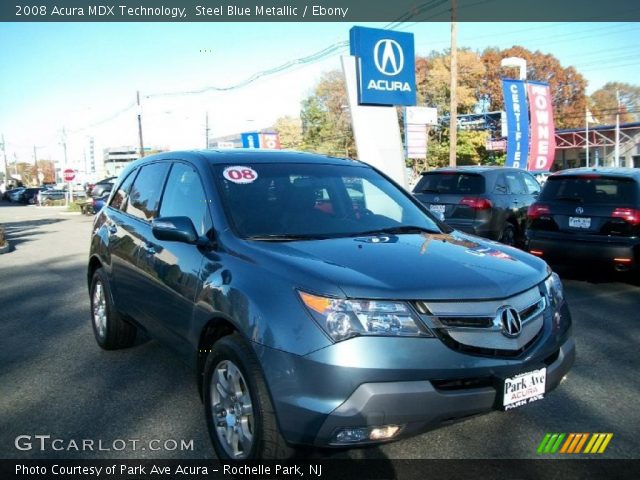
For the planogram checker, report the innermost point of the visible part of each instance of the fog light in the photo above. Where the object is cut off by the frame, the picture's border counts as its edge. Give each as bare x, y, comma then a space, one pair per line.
351, 435
383, 433
365, 434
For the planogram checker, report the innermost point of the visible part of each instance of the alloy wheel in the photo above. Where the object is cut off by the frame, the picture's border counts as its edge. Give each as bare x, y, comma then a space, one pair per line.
232, 410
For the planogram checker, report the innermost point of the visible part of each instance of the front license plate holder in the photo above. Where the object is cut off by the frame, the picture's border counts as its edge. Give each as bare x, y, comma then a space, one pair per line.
521, 389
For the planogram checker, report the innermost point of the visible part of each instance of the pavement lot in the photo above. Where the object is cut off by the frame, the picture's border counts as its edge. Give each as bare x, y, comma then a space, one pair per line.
54, 380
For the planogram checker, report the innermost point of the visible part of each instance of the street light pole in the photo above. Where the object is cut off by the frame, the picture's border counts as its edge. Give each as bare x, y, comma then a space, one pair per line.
139, 124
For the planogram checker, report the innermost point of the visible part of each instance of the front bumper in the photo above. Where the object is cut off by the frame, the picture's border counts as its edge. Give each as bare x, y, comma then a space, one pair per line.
417, 383
419, 405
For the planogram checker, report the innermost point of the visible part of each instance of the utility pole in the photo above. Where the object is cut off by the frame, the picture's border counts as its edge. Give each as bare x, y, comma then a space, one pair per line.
453, 119
206, 130
140, 124
617, 149
6, 165
64, 148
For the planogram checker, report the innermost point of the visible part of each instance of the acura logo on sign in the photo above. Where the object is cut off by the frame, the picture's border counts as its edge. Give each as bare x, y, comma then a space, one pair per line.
509, 320
579, 210
388, 57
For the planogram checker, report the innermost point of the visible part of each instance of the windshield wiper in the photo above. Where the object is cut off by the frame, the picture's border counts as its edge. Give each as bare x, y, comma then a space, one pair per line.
430, 190
396, 230
285, 237
570, 199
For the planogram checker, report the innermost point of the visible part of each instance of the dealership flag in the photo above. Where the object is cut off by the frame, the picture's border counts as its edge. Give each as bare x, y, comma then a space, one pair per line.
543, 142
515, 106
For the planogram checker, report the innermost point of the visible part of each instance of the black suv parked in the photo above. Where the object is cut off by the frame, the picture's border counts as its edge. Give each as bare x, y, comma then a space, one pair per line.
588, 214
102, 187
490, 202
319, 302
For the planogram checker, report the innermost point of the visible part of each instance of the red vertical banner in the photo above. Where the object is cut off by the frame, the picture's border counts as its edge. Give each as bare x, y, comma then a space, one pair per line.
543, 130
270, 140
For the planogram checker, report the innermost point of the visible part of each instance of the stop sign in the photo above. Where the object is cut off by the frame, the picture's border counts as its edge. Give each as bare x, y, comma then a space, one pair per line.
68, 175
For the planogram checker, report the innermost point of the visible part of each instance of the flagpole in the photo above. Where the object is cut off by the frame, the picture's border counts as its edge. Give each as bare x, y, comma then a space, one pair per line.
586, 120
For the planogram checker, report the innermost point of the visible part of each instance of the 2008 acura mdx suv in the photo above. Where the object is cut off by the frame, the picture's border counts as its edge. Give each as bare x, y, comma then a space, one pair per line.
319, 302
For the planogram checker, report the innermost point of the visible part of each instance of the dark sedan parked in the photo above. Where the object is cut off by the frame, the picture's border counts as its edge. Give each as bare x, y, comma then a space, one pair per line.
490, 202
319, 302
588, 214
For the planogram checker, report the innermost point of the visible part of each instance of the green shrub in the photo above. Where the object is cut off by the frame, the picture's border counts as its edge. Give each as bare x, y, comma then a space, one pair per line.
75, 207
54, 203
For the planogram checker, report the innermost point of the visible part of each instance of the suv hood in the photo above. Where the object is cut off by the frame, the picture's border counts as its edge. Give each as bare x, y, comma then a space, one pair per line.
404, 267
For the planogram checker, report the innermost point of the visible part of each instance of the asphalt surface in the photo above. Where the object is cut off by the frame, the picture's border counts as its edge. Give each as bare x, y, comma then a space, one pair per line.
54, 380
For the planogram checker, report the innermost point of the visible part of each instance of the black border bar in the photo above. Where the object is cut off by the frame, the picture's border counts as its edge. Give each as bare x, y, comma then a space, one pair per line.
318, 11
373, 469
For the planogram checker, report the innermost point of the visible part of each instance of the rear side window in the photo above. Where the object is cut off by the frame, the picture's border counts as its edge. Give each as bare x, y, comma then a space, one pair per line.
450, 182
119, 200
144, 198
591, 190
532, 184
515, 183
185, 197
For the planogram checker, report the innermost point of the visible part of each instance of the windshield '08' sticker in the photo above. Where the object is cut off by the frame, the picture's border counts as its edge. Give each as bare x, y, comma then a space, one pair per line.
240, 174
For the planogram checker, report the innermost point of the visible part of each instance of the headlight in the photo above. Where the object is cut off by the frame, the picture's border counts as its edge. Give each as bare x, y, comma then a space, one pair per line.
553, 284
342, 319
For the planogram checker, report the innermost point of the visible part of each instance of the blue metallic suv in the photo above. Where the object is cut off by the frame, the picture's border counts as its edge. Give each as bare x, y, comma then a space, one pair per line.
319, 303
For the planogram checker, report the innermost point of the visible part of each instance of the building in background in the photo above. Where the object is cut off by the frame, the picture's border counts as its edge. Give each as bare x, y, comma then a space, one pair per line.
571, 146
117, 158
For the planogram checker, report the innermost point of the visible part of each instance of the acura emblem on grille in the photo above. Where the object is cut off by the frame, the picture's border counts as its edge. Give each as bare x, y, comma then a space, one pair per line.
579, 210
509, 319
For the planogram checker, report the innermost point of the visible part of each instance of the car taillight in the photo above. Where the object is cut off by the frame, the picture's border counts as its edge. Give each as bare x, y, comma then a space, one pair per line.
476, 203
628, 215
537, 210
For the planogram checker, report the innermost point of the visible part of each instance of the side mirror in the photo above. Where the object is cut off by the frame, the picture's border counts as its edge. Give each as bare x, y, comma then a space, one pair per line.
174, 229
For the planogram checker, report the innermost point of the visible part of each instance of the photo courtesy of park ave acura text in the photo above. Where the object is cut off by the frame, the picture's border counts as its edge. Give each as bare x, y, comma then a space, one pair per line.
323, 239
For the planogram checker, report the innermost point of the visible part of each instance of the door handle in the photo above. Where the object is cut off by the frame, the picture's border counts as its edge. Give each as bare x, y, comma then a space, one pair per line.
149, 248
111, 227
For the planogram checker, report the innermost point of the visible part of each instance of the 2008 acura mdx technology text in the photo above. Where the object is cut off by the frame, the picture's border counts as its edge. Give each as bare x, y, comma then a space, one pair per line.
320, 303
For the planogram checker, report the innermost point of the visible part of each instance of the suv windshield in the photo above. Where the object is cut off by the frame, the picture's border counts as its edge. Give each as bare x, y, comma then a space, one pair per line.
590, 189
450, 182
298, 201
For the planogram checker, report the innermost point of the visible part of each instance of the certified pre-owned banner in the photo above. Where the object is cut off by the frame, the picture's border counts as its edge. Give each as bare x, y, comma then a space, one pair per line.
543, 142
515, 106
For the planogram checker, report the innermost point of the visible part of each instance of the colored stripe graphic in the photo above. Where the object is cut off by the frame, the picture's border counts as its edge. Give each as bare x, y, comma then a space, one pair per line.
574, 444
599, 442
568, 442
555, 443
543, 443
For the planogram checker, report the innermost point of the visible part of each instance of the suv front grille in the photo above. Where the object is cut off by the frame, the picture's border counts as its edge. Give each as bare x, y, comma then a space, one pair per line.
473, 327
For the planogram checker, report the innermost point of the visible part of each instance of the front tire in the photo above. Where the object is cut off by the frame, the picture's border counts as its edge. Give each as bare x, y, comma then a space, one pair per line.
240, 416
110, 330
